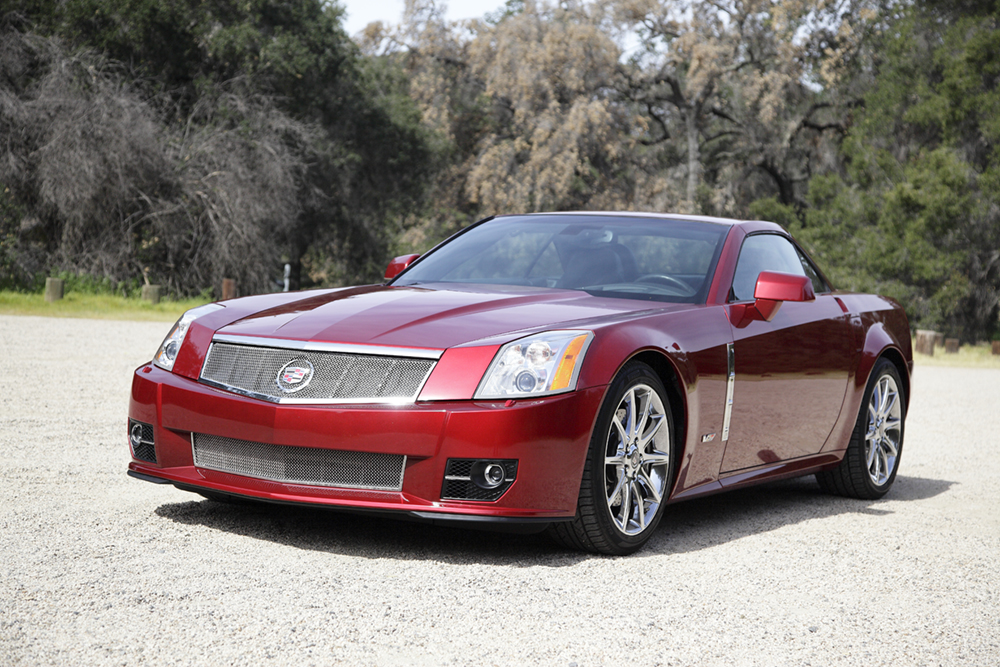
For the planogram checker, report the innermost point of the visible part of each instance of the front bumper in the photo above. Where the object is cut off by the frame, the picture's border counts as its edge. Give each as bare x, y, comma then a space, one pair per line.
549, 438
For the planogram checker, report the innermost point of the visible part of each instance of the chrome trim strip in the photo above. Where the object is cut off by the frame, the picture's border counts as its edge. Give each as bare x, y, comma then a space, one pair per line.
730, 385
345, 348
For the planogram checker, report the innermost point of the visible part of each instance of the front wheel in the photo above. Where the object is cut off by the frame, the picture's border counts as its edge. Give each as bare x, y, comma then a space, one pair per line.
629, 468
872, 458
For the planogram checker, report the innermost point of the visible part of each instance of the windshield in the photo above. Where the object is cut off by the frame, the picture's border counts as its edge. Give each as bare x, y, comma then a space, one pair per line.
626, 257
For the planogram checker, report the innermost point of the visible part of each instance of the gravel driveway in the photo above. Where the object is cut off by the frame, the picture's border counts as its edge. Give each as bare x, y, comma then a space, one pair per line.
97, 568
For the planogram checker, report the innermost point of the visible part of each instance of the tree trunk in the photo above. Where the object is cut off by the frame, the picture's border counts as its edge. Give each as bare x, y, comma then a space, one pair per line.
694, 160
786, 191
298, 249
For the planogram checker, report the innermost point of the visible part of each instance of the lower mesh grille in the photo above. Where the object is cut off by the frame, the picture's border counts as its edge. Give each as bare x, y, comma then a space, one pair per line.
299, 465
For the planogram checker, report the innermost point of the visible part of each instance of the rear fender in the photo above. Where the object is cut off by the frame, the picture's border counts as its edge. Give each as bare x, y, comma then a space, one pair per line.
879, 341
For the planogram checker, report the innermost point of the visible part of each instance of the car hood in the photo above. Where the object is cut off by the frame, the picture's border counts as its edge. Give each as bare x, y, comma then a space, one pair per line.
434, 318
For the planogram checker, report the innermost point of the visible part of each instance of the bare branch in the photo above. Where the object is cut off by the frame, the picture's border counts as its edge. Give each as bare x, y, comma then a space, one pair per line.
716, 111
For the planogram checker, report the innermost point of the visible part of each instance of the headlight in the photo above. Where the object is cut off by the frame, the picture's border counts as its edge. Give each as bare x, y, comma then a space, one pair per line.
539, 365
171, 345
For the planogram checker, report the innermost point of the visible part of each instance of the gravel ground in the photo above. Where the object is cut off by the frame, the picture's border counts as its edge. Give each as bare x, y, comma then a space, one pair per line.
97, 568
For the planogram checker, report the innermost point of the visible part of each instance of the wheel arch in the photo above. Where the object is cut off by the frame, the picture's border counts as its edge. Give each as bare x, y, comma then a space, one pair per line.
676, 398
880, 344
896, 357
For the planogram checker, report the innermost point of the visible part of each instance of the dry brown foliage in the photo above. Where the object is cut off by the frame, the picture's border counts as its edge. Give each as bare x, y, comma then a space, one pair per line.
626, 104
80, 148
110, 188
239, 170
561, 137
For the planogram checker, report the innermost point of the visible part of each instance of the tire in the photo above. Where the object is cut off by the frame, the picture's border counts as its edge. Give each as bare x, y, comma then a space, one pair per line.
869, 466
629, 468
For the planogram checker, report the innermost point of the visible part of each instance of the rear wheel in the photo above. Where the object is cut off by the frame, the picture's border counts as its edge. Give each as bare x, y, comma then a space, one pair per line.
626, 479
872, 458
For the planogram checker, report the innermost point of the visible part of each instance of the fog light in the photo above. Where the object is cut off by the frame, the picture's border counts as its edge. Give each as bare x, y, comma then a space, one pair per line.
135, 436
478, 479
493, 475
140, 440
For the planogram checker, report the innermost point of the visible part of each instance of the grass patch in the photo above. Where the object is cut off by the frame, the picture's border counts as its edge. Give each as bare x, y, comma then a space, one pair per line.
94, 306
968, 356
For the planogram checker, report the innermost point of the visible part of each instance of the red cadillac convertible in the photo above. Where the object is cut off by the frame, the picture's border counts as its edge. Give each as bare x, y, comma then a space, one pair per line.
573, 372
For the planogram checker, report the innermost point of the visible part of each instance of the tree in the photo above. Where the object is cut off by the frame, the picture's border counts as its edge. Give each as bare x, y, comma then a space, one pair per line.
749, 86
559, 137
361, 145
105, 188
918, 204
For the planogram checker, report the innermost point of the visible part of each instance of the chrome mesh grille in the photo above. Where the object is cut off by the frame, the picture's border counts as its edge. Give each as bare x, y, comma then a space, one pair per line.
253, 371
299, 465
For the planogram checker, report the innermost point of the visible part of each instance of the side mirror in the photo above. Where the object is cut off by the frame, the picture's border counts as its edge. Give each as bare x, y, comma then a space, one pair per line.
774, 288
397, 265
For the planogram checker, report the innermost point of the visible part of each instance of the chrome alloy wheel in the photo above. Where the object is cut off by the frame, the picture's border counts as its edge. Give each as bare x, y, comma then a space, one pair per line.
637, 459
884, 430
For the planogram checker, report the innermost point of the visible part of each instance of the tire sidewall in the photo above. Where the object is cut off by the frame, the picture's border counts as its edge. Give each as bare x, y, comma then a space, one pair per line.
632, 374
882, 368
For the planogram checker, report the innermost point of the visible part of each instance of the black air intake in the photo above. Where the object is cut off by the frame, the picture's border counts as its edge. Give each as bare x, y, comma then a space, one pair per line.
478, 479
140, 441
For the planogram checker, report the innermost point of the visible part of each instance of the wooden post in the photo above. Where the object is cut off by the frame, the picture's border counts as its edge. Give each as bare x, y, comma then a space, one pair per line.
151, 293
53, 289
228, 288
951, 345
924, 343
938, 339
996, 347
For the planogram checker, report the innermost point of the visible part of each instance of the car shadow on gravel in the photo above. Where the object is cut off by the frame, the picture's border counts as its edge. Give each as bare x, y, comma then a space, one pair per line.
688, 526
707, 522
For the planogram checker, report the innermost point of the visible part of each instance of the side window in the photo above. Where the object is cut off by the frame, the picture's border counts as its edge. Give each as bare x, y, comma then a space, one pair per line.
819, 286
763, 252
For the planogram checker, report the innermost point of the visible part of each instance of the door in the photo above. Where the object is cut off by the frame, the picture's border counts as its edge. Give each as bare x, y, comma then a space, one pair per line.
790, 373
